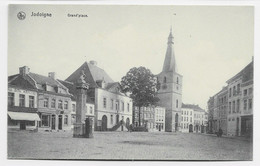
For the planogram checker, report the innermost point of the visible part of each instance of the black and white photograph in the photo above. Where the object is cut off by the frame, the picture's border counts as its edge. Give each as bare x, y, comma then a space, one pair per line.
128, 82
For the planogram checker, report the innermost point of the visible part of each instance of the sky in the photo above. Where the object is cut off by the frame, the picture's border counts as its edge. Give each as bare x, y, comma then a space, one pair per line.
211, 43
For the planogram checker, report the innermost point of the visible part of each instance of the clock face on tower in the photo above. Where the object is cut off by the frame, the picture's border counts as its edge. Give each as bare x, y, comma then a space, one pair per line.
164, 86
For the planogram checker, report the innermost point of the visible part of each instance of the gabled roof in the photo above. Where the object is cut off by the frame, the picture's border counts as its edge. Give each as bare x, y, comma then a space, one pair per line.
23, 82
92, 74
40, 79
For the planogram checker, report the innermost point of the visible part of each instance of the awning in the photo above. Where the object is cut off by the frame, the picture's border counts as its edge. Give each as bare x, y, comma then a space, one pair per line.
24, 116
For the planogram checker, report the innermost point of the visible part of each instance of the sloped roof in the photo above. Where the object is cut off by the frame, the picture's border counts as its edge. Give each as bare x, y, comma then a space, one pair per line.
40, 79
192, 106
20, 81
72, 90
246, 73
92, 74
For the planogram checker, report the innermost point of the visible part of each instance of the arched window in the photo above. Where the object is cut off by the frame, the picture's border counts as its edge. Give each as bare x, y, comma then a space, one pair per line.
164, 80
177, 80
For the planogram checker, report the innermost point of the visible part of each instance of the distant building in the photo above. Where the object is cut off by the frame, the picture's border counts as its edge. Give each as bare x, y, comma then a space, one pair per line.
231, 109
153, 118
170, 93
194, 118
90, 105
22, 102
52, 99
240, 102
113, 109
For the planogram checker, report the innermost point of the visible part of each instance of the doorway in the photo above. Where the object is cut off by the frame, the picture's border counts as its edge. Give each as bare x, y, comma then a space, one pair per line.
22, 125
104, 123
60, 122
53, 122
190, 128
176, 121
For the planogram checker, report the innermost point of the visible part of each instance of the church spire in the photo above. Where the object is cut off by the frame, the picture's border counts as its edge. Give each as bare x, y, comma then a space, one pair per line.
169, 61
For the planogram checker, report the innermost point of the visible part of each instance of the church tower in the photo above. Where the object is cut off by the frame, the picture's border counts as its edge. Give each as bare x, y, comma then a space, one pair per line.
170, 93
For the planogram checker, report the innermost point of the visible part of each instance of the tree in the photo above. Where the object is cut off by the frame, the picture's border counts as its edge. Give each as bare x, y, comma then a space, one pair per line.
142, 86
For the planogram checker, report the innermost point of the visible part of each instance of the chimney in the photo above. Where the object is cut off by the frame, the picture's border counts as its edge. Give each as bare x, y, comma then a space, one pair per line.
52, 75
24, 70
93, 63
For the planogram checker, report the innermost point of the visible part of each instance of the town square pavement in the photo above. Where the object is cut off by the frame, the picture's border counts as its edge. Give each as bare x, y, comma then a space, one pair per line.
126, 146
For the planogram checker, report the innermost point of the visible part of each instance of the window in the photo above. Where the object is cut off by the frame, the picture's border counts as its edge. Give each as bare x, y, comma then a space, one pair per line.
238, 104
234, 90
128, 107
45, 120
233, 106
229, 107
245, 92
245, 104
73, 107
66, 103
250, 104
111, 119
250, 91
177, 80
91, 110
191, 113
104, 102
117, 105
53, 103
238, 88
190, 119
31, 101
123, 106
60, 104
112, 104
21, 100
177, 103
164, 80
230, 91
66, 120
10, 99
45, 102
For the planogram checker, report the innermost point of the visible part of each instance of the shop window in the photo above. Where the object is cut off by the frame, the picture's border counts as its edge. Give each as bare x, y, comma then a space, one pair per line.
45, 121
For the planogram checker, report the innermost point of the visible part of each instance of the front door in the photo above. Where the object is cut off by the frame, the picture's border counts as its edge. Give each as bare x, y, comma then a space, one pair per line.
176, 121
190, 128
53, 121
117, 119
22, 125
104, 123
60, 122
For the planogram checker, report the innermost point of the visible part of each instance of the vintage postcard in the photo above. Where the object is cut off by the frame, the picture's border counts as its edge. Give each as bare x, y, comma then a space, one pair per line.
130, 82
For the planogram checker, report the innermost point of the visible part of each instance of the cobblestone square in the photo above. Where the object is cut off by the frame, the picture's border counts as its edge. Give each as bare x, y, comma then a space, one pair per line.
127, 146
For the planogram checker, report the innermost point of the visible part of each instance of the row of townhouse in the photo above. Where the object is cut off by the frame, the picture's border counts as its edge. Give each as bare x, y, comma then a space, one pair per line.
193, 119
47, 103
231, 109
152, 117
